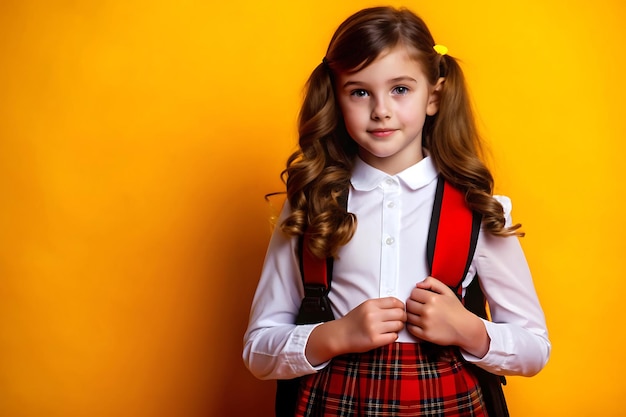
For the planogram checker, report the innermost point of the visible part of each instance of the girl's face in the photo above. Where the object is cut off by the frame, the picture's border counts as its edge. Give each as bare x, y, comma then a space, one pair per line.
384, 106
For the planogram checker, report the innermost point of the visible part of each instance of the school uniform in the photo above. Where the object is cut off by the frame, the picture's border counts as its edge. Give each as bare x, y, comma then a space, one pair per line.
387, 257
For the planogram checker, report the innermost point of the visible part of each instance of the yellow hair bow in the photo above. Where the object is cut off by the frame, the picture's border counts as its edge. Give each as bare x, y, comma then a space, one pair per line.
440, 49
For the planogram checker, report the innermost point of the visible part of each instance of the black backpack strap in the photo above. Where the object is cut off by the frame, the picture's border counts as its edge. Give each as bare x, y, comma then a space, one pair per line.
316, 278
315, 308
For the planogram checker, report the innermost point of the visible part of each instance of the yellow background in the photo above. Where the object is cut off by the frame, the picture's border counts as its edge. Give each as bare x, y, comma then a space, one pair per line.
137, 139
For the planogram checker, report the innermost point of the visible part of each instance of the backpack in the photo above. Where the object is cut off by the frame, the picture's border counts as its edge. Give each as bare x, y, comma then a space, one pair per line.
450, 247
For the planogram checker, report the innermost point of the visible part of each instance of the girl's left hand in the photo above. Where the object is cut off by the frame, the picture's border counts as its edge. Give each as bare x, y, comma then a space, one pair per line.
435, 314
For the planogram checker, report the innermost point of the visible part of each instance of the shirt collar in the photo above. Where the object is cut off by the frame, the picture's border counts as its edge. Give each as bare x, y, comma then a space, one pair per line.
365, 177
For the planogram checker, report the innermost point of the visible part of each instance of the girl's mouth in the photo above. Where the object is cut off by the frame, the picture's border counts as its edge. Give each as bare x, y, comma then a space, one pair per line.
382, 133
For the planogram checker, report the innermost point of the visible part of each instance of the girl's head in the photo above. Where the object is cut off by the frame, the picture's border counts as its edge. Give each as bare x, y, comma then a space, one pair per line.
317, 173
449, 133
364, 36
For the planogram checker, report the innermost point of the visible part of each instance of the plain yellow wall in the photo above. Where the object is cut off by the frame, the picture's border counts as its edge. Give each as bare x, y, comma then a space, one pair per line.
137, 140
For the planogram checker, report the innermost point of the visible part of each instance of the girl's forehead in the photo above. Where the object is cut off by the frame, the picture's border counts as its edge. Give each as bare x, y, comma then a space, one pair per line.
402, 50
392, 56
394, 66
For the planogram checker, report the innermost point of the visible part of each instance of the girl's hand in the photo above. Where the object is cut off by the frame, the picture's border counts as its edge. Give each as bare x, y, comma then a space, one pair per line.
435, 314
374, 323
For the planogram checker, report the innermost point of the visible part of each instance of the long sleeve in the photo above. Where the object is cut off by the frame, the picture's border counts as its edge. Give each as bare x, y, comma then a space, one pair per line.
519, 338
273, 346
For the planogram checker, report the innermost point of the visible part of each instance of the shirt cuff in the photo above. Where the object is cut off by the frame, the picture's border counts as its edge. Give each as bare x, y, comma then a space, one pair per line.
496, 357
295, 351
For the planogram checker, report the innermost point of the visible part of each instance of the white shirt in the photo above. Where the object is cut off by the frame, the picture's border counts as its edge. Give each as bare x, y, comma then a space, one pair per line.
387, 257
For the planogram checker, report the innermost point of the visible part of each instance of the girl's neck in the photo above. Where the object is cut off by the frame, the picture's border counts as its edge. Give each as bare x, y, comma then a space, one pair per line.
391, 166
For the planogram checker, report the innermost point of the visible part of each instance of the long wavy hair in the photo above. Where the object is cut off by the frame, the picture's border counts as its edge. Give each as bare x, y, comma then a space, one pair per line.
320, 170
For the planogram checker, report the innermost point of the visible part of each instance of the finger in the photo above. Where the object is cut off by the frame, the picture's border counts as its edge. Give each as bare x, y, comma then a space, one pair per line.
390, 302
401, 316
394, 314
415, 330
391, 326
413, 319
387, 338
421, 296
434, 285
430, 283
414, 306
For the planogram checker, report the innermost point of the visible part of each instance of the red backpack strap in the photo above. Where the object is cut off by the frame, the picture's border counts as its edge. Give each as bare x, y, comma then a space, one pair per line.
317, 277
314, 270
453, 231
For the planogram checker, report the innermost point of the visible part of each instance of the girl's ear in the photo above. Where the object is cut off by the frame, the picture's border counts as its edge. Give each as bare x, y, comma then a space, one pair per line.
433, 99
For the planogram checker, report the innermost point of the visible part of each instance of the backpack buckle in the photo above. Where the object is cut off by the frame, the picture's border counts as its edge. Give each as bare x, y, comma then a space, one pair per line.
315, 307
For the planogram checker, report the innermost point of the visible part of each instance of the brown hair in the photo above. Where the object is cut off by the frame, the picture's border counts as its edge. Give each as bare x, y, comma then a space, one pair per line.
320, 169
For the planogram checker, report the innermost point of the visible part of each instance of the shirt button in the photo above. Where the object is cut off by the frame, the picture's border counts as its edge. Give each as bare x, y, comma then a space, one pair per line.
389, 241
391, 204
389, 181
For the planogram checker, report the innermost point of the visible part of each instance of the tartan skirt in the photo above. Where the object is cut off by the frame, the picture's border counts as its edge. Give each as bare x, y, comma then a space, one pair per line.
400, 379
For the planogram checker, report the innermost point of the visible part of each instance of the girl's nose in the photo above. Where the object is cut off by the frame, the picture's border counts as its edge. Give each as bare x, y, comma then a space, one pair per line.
381, 110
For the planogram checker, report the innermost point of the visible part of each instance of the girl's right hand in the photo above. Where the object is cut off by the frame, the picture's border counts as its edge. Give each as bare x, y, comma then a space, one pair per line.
374, 323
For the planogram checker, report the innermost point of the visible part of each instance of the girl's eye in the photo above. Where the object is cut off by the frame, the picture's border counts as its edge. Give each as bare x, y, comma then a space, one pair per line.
400, 90
359, 93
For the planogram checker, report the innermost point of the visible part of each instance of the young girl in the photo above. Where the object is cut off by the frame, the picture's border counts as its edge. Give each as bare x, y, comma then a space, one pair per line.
385, 113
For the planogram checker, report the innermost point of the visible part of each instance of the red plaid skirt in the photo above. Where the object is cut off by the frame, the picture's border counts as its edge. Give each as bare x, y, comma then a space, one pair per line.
401, 379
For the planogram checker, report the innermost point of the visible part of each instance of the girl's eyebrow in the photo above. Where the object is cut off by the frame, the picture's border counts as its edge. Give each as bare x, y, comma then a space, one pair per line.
403, 78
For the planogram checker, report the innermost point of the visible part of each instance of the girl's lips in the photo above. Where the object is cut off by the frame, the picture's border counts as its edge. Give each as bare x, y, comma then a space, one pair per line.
382, 133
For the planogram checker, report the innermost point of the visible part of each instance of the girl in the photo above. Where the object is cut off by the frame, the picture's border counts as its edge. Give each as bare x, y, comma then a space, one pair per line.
384, 114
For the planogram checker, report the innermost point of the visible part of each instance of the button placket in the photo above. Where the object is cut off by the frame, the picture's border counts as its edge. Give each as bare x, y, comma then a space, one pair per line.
390, 231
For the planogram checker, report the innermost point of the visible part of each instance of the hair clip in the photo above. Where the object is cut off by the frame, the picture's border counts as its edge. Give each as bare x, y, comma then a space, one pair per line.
440, 49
